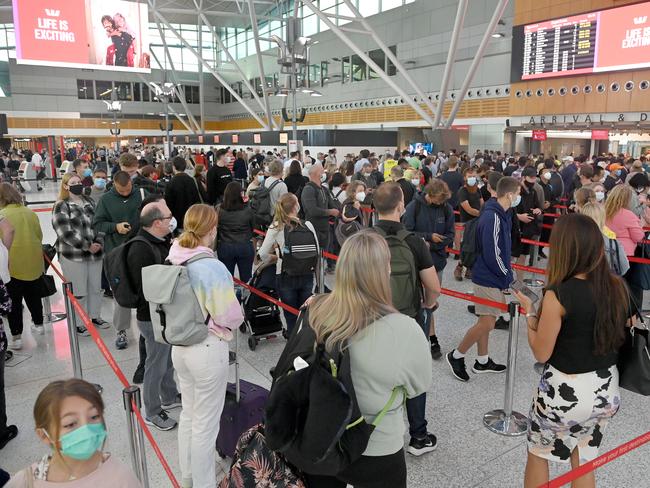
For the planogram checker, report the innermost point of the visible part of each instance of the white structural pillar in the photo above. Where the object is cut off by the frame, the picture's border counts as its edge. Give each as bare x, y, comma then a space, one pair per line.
478, 57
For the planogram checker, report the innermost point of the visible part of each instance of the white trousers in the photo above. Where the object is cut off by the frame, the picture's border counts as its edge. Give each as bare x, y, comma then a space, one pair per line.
202, 371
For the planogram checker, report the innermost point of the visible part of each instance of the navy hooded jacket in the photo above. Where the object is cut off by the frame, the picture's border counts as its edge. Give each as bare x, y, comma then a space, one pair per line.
492, 267
424, 219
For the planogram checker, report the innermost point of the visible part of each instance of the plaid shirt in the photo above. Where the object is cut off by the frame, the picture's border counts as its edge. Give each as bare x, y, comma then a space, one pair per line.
73, 226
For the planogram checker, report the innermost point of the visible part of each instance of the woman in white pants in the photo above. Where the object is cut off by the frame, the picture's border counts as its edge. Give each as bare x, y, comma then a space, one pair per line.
79, 247
203, 368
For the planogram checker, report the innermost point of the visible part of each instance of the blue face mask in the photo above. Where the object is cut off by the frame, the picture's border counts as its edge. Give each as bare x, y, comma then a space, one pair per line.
471, 181
83, 442
88, 172
100, 183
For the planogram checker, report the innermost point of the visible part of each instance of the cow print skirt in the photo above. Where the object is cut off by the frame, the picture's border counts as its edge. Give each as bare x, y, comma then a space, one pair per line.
572, 410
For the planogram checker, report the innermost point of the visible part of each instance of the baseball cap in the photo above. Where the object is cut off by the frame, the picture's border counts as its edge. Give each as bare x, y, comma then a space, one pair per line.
567, 158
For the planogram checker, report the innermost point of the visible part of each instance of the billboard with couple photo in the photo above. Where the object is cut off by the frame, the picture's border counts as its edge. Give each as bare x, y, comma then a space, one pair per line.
96, 34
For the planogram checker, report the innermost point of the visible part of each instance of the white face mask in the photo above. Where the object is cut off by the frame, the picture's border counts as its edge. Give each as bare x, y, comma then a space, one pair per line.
471, 181
547, 175
361, 196
415, 181
173, 224
600, 196
323, 178
260, 178
516, 201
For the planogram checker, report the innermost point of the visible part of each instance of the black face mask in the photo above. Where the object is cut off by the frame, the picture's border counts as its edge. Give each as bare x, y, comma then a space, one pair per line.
529, 184
76, 189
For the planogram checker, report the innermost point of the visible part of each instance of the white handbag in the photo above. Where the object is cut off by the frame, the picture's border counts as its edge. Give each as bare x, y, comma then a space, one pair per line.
4, 264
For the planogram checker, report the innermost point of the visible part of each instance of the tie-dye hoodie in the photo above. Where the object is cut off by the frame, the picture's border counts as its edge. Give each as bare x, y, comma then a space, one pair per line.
214, 289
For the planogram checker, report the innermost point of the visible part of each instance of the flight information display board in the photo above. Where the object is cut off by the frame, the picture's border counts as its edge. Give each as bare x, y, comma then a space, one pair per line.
594, 42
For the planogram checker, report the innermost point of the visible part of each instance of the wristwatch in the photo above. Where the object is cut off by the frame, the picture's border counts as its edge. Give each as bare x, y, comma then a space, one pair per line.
529, 315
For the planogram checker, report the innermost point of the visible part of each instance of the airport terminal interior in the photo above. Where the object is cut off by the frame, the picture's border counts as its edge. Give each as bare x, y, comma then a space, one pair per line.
542, 105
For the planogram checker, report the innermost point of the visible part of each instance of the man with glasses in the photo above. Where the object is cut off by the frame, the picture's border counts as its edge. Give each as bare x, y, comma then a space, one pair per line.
151, 246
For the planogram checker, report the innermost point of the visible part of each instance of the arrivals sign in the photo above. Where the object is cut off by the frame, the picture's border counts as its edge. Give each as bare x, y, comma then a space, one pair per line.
610, 119
539, 135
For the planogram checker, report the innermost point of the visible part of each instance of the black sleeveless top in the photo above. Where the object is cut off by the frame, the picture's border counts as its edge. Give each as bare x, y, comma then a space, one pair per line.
574, 348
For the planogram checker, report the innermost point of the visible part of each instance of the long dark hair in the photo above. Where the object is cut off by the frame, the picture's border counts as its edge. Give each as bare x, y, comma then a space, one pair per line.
577, 247
232, 199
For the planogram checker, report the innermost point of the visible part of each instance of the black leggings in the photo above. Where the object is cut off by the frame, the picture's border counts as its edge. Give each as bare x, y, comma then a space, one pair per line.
367, 472
27, 290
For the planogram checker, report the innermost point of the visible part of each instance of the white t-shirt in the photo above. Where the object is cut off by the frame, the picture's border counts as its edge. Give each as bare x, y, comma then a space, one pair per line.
37, 160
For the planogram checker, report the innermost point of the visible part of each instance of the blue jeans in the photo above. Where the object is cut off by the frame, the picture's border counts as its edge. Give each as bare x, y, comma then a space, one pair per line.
294, 291
416, 407
240, 254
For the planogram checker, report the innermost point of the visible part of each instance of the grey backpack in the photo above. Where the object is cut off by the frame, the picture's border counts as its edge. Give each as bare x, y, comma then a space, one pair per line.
176, 313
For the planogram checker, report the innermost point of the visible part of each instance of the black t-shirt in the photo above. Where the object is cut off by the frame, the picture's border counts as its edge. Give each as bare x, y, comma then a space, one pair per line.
510, 169
408, 189
574, 347
474, 199
454, 181
420, 249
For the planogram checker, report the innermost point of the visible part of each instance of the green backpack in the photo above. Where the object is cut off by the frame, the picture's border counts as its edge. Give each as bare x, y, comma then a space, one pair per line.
404, 279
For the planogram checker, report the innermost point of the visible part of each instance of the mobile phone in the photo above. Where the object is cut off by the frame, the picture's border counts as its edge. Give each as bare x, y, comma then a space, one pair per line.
521, 288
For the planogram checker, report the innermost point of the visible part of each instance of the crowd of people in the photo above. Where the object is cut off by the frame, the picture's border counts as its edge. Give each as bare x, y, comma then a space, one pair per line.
392, 219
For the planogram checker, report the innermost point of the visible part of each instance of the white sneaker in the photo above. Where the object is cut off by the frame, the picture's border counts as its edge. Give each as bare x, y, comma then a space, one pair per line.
40, 329
17, 343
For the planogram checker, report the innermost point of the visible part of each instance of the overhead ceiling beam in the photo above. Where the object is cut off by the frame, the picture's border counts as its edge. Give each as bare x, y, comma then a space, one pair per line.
212, 13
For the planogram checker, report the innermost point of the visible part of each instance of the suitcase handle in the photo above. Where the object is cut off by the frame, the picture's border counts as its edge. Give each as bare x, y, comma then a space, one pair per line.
237, 386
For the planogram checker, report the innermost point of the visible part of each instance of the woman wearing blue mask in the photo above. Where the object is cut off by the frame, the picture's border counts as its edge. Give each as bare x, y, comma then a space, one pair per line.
99, 184
69, 418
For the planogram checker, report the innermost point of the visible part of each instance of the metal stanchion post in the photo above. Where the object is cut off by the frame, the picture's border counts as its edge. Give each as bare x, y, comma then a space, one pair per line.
532, 281
131, 396
50, 317
507, 422
72, 331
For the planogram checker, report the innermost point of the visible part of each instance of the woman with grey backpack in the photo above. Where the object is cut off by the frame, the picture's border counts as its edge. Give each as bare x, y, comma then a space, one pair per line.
203, 368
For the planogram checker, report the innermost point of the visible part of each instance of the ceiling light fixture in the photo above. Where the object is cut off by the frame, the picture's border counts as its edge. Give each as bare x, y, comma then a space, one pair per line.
497, 35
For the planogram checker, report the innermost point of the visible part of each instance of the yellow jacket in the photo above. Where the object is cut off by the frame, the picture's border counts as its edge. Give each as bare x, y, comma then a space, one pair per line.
26, 253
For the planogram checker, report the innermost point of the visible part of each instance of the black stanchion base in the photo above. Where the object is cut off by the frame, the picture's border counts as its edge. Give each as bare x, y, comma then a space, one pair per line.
513, 425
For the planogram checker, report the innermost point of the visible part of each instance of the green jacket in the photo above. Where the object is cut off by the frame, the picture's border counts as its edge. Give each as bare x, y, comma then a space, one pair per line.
113, 209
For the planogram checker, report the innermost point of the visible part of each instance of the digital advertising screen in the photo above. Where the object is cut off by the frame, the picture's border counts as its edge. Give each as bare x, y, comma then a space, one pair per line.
416, 147
96, 34
595, 42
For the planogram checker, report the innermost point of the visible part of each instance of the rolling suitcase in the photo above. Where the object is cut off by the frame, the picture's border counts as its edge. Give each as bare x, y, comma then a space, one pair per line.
262, 317
244, 408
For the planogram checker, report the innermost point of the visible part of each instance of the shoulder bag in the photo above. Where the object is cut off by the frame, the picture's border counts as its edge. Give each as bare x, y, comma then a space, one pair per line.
634, 359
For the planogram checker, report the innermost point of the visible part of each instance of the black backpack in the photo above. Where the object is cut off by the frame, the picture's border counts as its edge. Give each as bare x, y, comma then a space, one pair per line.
261, 204
469, 247
117, 274
312, 415
300, 252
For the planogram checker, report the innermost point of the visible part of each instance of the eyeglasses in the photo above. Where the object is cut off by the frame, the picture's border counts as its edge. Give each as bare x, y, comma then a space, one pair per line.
167, 218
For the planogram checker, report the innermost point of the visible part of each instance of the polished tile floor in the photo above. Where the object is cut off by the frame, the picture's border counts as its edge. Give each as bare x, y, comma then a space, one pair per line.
468, 454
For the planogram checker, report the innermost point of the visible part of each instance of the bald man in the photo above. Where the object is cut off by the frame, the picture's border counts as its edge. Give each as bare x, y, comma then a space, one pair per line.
151, 246
318, 204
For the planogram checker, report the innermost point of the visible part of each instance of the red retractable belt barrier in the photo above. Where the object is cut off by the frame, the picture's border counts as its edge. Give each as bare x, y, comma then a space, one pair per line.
42, 209
101, 345
535, 243
553, 215
267, 297
598, 462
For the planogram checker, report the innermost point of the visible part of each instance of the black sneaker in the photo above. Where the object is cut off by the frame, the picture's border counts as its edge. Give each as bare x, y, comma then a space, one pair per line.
541, 255
502, 324
417, 447
138, 376
435, 351
489, 367
108, 293
457, 367
471, 309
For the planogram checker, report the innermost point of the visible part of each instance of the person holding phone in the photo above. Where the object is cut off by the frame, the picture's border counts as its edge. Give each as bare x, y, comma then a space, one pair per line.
117, 216
577, 331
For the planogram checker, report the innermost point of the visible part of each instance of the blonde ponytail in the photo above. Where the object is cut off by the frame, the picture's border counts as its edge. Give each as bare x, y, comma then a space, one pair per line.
283, 208
199, 220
